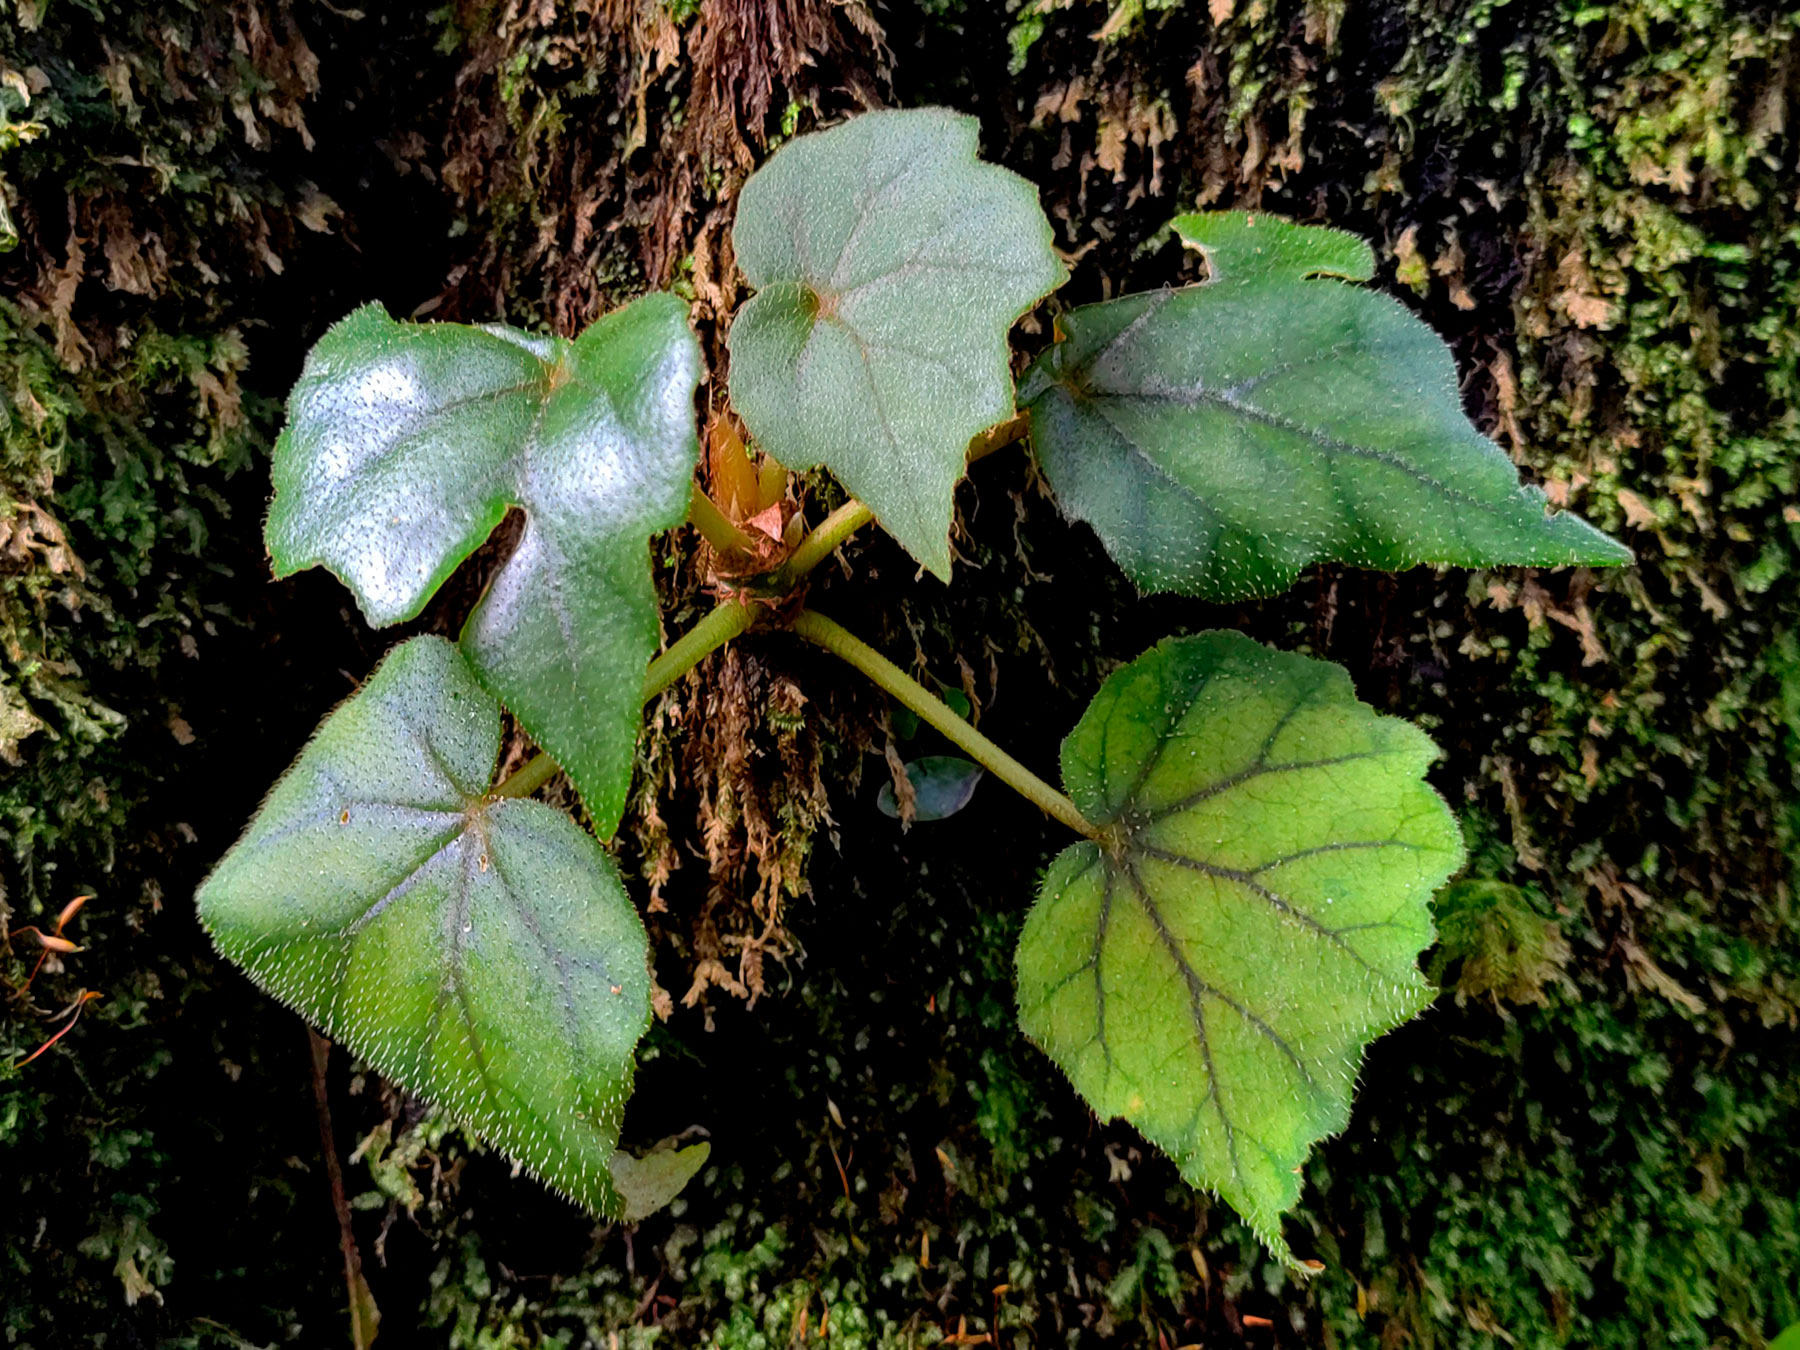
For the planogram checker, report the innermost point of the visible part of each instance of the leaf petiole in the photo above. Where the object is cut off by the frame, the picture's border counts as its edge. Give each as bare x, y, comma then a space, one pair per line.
823, 632
727, 620
528, 777
824, 540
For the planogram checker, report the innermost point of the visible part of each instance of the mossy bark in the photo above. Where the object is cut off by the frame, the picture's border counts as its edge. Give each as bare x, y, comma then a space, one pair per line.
1590, 1140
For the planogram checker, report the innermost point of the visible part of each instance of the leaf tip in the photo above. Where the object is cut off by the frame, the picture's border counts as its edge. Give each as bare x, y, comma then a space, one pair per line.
1610, 552
1240, 245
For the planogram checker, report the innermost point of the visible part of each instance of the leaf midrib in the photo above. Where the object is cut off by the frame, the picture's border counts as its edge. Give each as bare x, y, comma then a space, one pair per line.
1081, 389
457, 916
1333, 447
1200, 989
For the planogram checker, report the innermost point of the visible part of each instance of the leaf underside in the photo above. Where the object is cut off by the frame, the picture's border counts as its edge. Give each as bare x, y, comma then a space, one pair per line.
1221, 437
889, 265
479, 951
1216, 976
942, 785
407, 443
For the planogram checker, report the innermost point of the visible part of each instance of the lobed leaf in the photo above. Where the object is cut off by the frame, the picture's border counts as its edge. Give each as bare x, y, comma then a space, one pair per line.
480, 951
1221, 437
1215, 973
407, 443
889, 265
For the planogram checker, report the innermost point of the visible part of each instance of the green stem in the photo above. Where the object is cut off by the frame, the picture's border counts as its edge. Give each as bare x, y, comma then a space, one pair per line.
528, 777
705, 516
725, 622
816, 628
824, 541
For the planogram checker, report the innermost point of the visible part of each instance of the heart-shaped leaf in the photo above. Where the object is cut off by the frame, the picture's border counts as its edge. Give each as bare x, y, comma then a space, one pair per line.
1214, 973
480, 951
890, 265
407, 443
1221, 437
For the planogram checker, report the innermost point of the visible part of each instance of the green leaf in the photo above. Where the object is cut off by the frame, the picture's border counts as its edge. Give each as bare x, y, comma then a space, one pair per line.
890, 265
649, 1183
942, 785
1221, 437
407, 443
905, 722
1214, 974
480, 951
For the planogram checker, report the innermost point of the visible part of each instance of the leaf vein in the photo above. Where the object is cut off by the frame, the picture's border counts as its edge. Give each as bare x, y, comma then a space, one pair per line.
1198, 987
1242, 776
1249, 882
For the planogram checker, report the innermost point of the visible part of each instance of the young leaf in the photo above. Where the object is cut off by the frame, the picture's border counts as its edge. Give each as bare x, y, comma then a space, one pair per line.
1214, 975
480, 951
942, 785
649, 1183
1221, 437
405, 445
889, 265
905, 722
